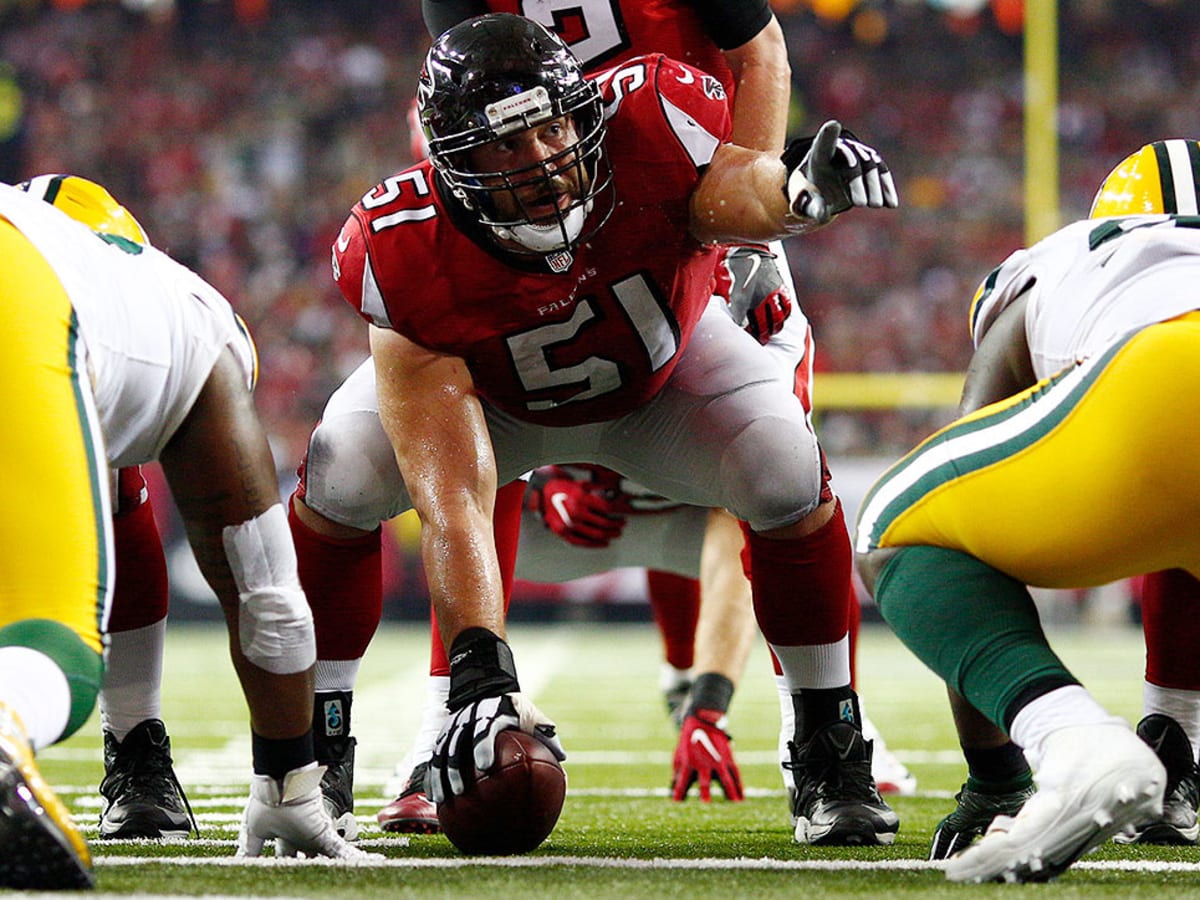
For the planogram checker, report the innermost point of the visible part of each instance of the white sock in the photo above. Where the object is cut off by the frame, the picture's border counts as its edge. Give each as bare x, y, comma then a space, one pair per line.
132, 687
1064, 707
336, 674
36, 689
433, 717
787, 726
815, 665
1182, 706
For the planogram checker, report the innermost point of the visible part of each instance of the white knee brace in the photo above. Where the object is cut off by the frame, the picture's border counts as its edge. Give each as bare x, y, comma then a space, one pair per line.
274, 620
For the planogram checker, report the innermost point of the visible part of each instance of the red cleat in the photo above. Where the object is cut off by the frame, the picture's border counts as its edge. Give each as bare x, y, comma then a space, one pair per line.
411, 812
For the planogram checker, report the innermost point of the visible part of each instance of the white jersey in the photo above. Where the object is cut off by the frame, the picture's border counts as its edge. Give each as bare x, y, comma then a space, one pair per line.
1093, 281
150, 328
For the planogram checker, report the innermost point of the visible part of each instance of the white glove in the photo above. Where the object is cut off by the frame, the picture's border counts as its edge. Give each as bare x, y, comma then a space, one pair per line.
291, 813
836, 172
467, 742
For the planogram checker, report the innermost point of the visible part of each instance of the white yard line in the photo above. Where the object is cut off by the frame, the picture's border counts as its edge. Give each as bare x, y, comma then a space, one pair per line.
606, 862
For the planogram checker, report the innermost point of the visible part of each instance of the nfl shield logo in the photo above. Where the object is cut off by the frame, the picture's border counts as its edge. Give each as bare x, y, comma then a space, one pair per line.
559, 262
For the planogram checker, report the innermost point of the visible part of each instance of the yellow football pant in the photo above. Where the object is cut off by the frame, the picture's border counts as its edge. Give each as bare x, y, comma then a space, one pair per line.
55, 544
1090, 476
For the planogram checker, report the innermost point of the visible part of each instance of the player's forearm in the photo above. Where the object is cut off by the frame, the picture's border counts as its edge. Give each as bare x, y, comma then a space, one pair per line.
726, 628
1001, 366
740, 198
463, 574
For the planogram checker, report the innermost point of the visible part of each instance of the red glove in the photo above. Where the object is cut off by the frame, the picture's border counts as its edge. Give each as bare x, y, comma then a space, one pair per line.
758, 298
582, 513
704, 751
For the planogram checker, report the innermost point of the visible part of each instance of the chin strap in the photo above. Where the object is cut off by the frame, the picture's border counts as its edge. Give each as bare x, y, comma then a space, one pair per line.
553, 238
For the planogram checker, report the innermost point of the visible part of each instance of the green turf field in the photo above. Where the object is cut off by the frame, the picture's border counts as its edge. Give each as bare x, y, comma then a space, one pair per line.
619, 835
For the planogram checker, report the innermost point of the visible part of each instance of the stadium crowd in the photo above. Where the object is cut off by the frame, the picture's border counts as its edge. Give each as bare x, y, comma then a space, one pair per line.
241, 146
241, 142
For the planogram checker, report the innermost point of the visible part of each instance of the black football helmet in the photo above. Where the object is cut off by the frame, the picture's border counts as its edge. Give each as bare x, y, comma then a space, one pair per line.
494, 75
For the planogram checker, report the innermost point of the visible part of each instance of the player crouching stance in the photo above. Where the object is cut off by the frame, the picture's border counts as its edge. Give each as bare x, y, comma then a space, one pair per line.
1104, 313
538, 292
114, 355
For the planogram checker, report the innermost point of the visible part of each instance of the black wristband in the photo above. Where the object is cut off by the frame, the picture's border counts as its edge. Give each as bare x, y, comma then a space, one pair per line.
278, 756
481, 665
710, 691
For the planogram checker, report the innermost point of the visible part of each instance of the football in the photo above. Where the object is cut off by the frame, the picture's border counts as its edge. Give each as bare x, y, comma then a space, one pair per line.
512, 808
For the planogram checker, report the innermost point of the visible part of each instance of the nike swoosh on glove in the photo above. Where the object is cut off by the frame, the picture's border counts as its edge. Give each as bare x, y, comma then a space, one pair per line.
705, 752
290, 812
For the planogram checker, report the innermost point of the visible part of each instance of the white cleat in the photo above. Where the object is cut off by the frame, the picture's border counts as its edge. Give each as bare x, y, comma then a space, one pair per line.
891, 776
1095, 780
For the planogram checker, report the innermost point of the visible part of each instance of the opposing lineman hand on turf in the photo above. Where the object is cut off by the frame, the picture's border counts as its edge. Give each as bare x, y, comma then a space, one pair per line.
290, 812
467, 742
705, 752
833, 171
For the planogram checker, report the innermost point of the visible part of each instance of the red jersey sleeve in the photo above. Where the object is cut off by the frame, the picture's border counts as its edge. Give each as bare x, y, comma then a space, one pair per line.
692, 104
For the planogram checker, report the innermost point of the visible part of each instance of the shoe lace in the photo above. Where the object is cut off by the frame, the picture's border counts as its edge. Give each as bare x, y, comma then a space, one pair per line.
142, 771
416, 780
337, 784
822, 774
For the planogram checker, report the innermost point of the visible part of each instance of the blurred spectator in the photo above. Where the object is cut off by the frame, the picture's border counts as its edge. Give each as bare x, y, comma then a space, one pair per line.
241, 133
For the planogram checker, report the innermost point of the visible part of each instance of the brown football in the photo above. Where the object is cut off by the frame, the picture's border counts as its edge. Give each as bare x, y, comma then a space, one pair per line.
512, 808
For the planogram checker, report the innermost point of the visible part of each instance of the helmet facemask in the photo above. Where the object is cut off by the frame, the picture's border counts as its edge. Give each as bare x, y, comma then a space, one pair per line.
470, 99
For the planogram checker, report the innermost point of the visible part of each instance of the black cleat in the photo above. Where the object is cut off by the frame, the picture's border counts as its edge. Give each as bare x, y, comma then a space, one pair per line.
972, 816
334, 748
141, 797
43, 849
1178, 825
836, 802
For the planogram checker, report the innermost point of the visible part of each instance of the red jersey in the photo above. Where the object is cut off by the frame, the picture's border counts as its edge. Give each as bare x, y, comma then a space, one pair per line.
594, 341
605, 32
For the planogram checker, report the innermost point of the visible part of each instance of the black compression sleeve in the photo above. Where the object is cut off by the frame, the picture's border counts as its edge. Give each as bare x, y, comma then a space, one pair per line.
731, 23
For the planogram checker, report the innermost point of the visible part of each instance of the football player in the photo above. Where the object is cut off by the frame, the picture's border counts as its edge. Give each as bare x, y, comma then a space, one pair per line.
741, 44
562, 239
140, 795
1157, 178
1091, 338
116, 356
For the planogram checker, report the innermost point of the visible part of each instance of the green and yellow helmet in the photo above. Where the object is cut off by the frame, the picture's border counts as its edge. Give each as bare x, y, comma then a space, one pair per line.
87, 202
1161, 177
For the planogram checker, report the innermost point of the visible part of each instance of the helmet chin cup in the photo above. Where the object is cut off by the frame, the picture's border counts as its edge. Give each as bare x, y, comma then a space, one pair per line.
559, 235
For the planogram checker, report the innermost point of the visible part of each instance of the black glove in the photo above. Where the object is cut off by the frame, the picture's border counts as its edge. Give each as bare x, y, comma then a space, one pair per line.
485, 699
833, 171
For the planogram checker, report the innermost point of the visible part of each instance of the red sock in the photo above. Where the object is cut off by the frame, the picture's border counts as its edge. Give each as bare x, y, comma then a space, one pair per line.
343, 580
675, 604
802, 585
506, 524
1170, 601
141, 592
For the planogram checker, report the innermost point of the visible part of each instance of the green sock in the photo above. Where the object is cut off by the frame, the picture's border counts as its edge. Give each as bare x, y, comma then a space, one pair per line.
82, 666
972, 625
